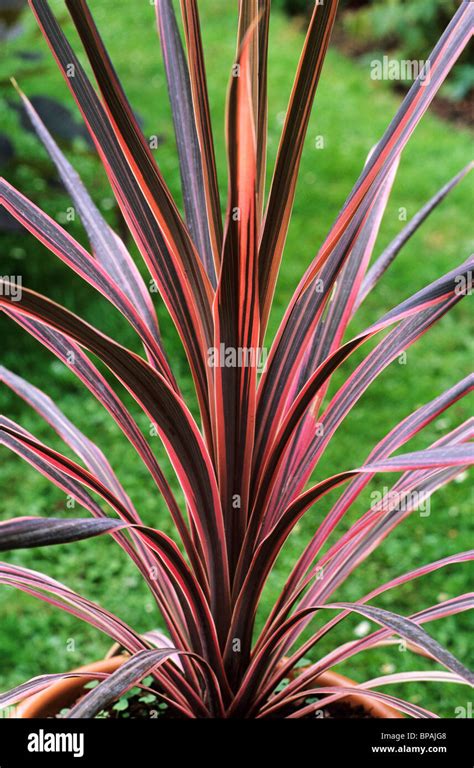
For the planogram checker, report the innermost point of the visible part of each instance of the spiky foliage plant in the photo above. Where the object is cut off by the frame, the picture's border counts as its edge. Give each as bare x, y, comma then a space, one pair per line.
245, 465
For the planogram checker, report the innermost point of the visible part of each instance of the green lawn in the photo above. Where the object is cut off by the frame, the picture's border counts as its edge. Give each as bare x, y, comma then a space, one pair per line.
351, 113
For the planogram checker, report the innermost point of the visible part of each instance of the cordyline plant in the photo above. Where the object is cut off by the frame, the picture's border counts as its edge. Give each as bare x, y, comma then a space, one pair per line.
244, 469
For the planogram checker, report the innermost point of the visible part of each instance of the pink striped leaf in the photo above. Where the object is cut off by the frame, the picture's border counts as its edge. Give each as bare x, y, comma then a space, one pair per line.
395, 439
236, 317
54, 237
78, 362
427, 306
392, 250
268, 550
445, 288
130, 673
391, 623
175, 425
329, 333
305, 309
88, 451
41, 587
30, 532
283, 185
142, 195
198, 81
67, 484
108, 248
187, 141
265, 652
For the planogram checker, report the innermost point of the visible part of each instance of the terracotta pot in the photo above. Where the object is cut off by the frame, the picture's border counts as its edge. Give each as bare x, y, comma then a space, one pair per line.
65, 693
374, 708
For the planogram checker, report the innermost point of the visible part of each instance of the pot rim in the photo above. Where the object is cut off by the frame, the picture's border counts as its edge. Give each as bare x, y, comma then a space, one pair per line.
377, 709
65, 692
